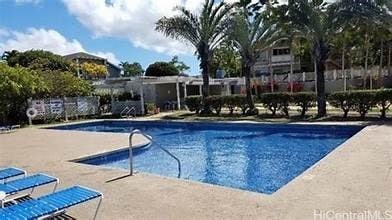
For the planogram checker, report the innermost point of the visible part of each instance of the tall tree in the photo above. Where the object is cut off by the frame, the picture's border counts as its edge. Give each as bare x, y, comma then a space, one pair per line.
205, 31
342, 43
251, 33
17, 84
369, 17
227, 58
312, 20
159, 69
132, 69
181, 66
38, 60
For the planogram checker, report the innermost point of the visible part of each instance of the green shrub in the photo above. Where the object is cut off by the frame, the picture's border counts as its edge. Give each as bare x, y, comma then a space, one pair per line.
104, 98
276, 102
383, 99
230, 103
215, 103
305, 100
162, 69
242, 103
234, 101
194, 103
342, 100
150, 108
128, 96
363, 101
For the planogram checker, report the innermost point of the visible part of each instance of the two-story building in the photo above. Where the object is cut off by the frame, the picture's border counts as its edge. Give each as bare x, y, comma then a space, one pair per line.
113, 70
276, 60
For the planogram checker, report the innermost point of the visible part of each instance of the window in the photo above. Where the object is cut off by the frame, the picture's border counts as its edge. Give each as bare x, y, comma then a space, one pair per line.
281, 51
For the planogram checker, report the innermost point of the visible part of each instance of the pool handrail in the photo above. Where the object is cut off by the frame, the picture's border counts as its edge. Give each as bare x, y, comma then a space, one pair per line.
137, 131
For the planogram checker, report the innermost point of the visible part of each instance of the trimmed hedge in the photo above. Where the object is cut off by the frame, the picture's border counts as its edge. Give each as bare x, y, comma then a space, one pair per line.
342, 100
194, 103
276, 102
362, 101
305, 100
216, 103
383, 99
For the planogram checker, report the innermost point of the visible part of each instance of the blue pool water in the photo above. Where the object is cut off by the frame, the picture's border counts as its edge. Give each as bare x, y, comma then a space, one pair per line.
254, 157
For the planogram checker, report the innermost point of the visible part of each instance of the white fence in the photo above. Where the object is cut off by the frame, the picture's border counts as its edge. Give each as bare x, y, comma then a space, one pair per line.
329, 75
67, 107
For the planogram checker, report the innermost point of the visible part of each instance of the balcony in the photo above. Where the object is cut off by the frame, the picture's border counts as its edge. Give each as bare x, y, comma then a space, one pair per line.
280, 59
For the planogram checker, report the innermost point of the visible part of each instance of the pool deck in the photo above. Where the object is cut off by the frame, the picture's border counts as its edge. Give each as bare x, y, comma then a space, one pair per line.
356, 177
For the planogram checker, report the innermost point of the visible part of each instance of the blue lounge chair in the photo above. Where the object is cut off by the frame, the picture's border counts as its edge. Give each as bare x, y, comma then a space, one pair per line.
29, 182
51, 205
10, 172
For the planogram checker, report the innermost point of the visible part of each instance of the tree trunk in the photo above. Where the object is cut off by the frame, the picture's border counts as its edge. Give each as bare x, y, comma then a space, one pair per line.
205, 66
291, 69
315, 75
206, 78
389, 60
271, 71
321, 54
246, 72
344, 69
321, 100
380, 75
366, 61
345, 113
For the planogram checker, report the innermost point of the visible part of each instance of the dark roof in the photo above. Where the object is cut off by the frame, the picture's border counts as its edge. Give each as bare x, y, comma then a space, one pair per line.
83, 55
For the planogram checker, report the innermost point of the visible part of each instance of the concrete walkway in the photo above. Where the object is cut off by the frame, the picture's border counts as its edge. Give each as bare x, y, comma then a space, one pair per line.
355, 177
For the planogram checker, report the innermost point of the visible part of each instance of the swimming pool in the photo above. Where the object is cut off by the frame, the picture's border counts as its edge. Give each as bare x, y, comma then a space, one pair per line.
255, 157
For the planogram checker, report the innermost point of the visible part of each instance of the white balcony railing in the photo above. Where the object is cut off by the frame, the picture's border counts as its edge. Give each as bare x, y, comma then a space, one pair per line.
280, 58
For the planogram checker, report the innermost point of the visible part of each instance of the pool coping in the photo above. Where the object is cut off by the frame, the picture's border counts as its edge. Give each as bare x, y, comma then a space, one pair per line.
303, 173
100, 154
354, 124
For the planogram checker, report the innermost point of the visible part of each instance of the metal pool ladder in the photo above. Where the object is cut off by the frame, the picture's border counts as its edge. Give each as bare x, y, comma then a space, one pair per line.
136, 131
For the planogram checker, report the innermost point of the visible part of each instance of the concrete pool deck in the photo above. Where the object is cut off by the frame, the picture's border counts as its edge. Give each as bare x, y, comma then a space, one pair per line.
356, 177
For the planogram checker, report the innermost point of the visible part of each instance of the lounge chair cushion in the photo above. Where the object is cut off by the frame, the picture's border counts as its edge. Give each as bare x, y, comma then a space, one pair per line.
10, 172
49, 204
28, 182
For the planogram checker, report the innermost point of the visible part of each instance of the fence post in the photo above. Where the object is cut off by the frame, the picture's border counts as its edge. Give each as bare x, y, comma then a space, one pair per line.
142, 98
29, 100
77, 108
65, 108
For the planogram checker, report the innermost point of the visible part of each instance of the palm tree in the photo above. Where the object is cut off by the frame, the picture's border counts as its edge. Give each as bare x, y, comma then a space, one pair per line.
250, 35
369, 16
312, 21
205, 31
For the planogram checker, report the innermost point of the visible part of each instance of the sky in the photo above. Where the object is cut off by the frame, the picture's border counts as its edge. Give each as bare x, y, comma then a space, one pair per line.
119, 30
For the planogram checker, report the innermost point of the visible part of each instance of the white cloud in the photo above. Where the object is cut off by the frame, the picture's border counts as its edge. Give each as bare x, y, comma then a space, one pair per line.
45, 39
133, 20
108, 55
